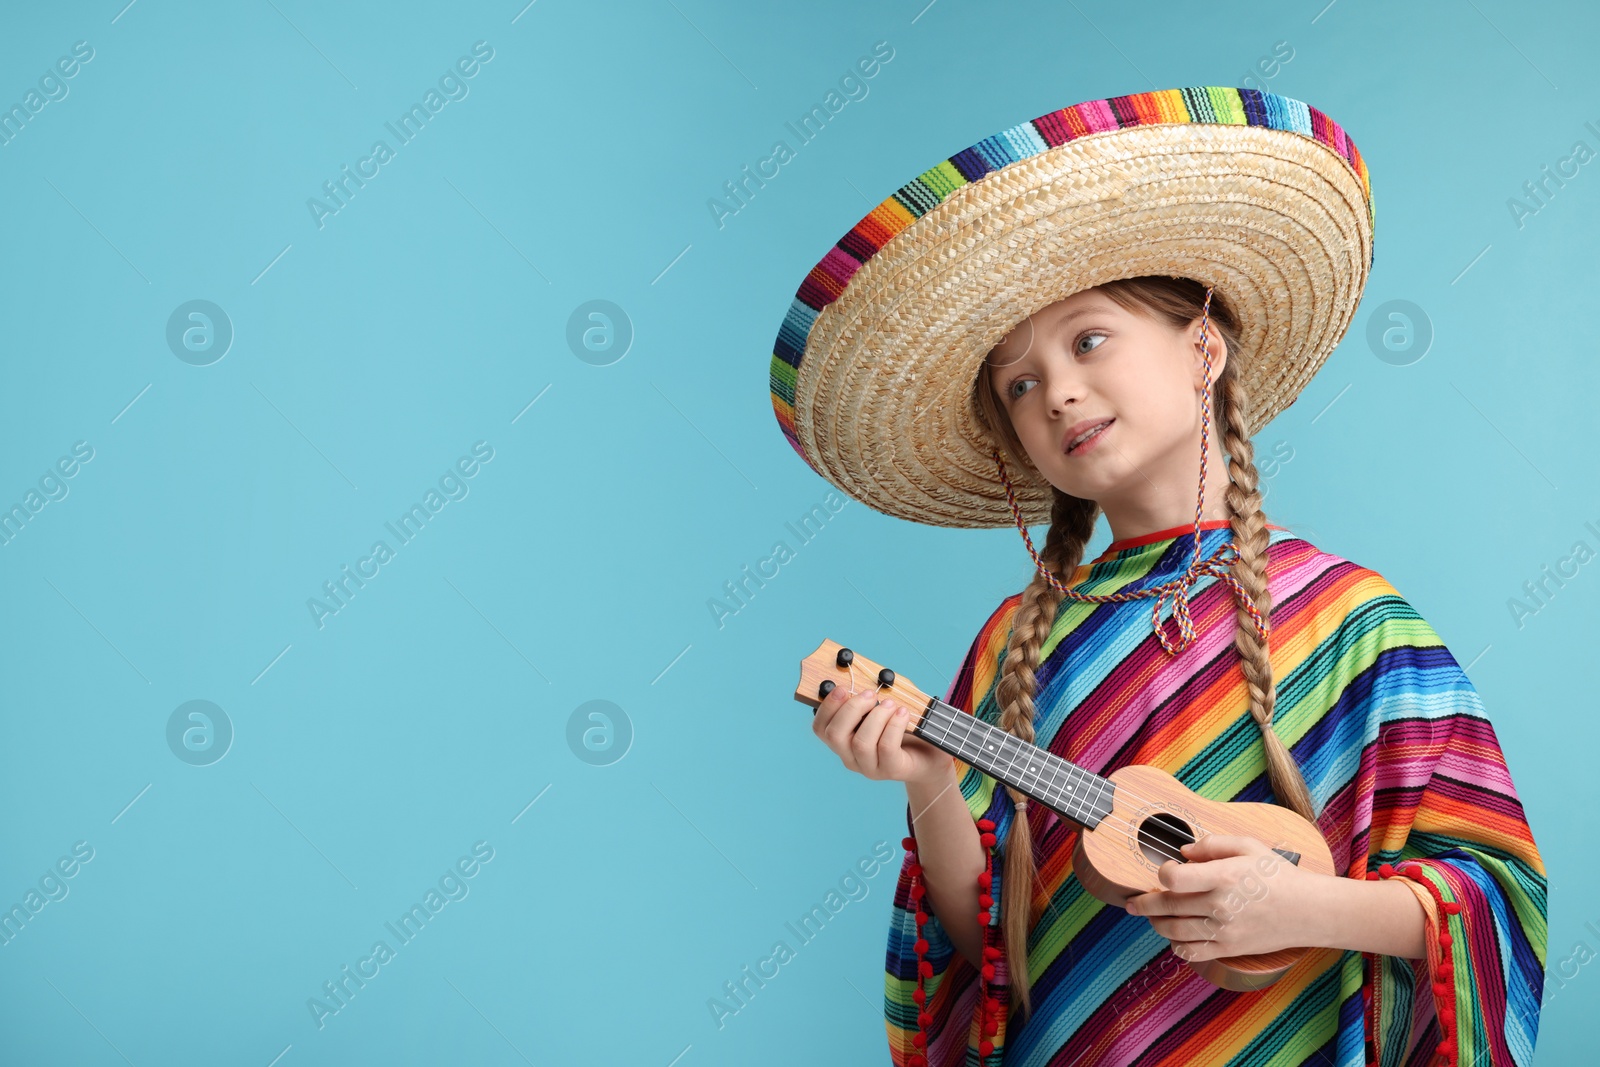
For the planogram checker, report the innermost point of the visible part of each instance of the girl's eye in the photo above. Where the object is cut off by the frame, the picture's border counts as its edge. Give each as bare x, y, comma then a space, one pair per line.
1012, 390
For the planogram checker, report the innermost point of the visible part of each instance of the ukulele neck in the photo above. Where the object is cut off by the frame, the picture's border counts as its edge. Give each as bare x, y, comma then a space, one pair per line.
1063, 787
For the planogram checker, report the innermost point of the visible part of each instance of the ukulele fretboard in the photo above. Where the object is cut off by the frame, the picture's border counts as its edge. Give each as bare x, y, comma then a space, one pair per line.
1065, 787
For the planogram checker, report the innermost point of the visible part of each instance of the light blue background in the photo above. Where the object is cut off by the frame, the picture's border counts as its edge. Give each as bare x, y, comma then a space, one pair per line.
432, 310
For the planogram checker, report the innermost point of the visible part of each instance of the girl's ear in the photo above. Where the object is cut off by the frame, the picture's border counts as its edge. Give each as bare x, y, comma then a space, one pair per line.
1218, 348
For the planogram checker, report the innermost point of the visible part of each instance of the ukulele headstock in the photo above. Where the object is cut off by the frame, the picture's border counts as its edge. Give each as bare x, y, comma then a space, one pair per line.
832, 664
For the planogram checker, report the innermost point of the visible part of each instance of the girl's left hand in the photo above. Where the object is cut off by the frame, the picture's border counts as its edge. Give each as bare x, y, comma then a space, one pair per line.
1234, 897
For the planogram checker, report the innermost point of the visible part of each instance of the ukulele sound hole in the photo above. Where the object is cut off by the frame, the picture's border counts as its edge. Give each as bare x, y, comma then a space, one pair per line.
1161, 837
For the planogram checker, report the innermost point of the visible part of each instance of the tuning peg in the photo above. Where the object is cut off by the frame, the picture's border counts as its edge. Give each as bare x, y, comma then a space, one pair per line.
845, 657
822, 692
886, 677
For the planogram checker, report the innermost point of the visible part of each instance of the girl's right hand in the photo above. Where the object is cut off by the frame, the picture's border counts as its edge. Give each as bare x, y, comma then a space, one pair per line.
873, 738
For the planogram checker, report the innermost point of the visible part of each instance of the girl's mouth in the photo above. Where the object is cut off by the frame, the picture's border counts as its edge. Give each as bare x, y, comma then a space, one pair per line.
1086, 441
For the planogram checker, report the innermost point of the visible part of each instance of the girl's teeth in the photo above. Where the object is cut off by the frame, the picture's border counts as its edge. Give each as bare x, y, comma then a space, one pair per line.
1092, 431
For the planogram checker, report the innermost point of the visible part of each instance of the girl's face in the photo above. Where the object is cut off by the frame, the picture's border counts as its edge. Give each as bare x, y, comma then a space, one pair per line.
1086, 361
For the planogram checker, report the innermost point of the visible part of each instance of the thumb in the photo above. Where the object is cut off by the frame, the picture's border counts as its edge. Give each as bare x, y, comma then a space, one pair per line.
1220, 846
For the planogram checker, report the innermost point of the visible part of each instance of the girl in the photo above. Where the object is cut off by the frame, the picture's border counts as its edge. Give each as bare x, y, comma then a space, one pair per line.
1181, 257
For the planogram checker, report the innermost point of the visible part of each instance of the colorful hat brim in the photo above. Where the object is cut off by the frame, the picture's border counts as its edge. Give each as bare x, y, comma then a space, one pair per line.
1263, 197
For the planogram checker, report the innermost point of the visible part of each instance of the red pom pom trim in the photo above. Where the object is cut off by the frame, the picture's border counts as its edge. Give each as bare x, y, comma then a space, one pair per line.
989, 1008
1444, 970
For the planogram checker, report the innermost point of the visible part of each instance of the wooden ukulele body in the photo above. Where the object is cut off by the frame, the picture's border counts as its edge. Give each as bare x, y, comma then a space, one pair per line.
1114, 864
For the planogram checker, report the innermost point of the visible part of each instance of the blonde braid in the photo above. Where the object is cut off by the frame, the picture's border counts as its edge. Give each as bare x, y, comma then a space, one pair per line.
1072, 523
1250, 538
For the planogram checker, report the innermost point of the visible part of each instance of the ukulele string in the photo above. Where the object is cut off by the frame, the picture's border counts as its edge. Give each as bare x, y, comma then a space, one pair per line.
851, 666
1132, 829
1127, 826
1126, 791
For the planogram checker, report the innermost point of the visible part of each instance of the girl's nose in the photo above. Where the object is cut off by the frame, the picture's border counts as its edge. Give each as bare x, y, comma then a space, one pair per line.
1065, 392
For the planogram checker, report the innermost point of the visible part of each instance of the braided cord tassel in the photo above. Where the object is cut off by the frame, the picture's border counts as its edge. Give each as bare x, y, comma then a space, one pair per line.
1218, 564
988, 1013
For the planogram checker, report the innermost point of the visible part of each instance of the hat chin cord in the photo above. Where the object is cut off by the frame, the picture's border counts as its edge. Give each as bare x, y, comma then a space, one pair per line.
1218, 564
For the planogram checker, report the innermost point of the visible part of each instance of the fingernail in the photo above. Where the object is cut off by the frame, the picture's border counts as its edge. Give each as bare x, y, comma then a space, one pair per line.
899, 713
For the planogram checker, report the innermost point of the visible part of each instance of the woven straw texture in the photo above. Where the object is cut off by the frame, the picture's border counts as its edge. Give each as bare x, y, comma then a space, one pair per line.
1263, 197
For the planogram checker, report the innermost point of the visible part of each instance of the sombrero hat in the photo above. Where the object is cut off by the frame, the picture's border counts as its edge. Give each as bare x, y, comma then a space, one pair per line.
1261, 197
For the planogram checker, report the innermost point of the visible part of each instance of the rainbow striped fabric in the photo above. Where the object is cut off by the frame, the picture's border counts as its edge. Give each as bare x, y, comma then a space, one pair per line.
1202, 103
1402, 764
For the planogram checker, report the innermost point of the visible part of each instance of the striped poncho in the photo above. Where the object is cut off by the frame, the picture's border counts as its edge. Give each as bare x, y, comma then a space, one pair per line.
1402, 765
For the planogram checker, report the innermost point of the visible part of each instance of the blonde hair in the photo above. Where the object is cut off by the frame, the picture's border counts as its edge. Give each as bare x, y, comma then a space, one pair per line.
1177, 302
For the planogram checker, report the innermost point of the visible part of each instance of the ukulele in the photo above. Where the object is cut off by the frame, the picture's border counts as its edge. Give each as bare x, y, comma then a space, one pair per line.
1133, 820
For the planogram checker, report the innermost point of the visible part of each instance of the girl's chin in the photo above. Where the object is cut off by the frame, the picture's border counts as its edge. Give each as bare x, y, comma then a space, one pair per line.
1079, 488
